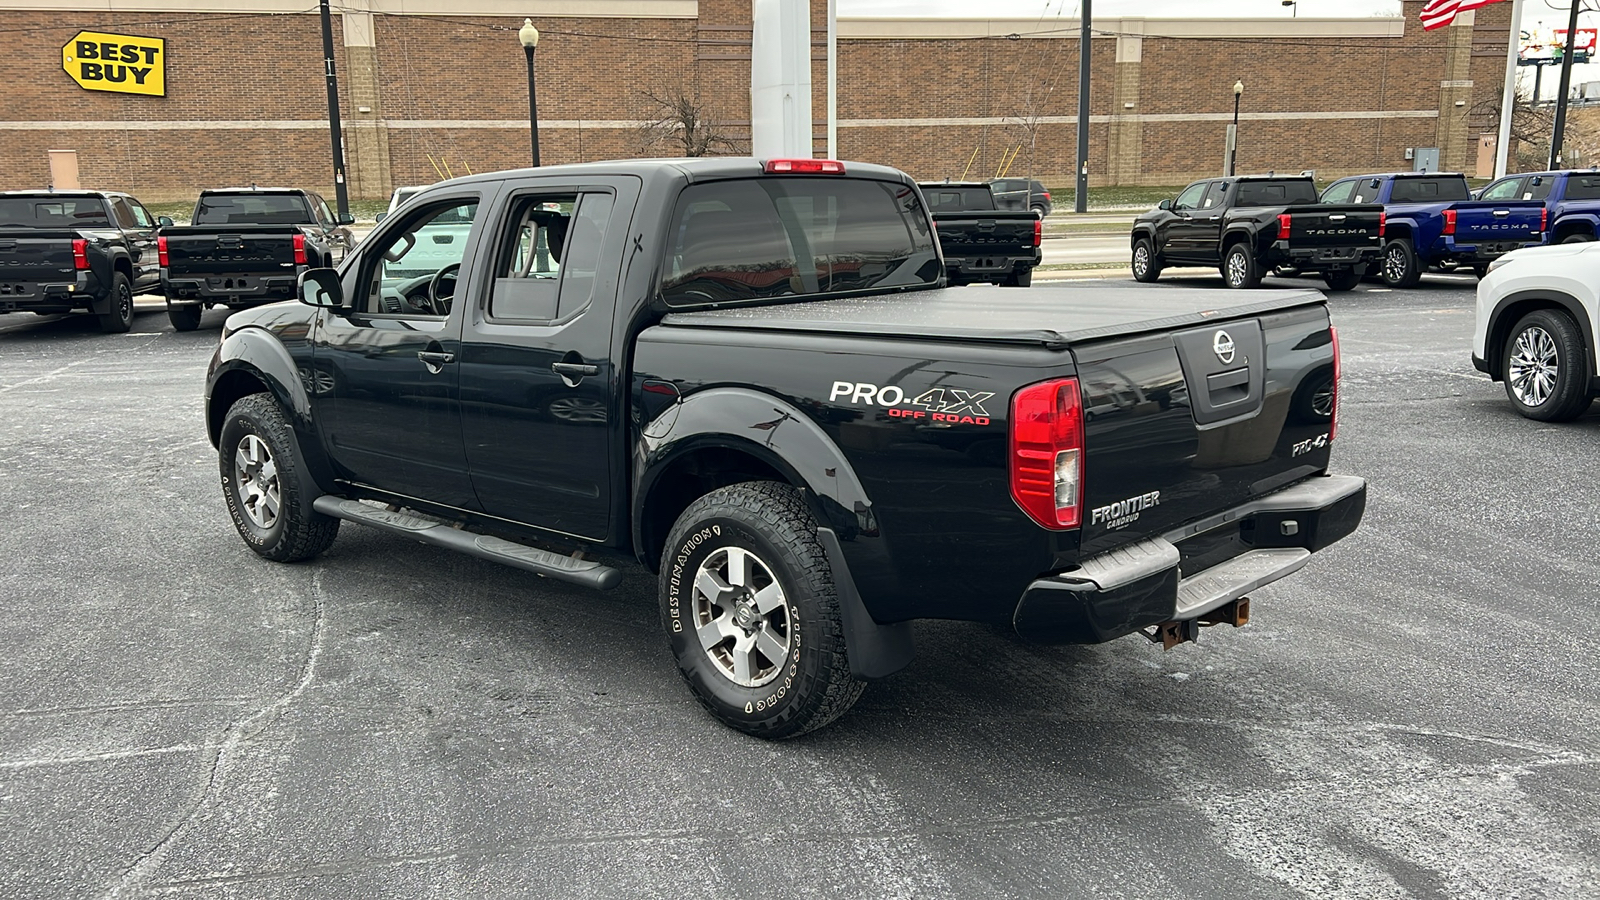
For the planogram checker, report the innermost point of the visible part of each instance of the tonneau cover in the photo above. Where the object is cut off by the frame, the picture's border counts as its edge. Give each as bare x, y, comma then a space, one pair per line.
1052, 316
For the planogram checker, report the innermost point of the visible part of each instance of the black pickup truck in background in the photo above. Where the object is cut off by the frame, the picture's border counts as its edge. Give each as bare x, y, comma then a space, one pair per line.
981, 243
1249, 225
807, 439
244, 247
77, 250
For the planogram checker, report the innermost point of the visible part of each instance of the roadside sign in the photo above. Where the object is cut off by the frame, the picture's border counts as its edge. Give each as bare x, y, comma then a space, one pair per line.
122, 63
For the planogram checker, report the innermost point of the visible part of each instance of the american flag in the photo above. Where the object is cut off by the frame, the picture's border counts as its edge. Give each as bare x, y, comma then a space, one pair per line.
1439, 13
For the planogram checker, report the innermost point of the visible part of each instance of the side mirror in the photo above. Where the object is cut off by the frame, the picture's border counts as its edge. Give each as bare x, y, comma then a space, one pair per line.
163, 221
1165, 204
347, 219
381, 216
321, 287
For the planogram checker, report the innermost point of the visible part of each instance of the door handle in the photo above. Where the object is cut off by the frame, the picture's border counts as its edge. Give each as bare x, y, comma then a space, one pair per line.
574, 370
435, 360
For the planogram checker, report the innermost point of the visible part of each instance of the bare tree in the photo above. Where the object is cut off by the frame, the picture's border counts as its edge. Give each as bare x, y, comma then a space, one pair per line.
678, 119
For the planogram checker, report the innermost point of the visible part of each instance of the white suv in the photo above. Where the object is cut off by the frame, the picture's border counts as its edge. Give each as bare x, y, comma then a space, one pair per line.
1538, 313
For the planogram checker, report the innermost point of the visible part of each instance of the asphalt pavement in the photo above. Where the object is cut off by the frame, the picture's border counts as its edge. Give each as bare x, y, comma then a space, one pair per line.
1414, 715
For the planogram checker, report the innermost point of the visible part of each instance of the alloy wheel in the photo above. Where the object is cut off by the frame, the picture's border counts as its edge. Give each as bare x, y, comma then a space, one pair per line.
255, 476
1394, 264
742, 617
1238, 268
1533, 366
1141, 261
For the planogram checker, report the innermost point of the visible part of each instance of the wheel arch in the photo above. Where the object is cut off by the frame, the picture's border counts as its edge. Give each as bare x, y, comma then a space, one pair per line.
1396, 229
1144, 232
1571, 225
1514, 306
1236, 236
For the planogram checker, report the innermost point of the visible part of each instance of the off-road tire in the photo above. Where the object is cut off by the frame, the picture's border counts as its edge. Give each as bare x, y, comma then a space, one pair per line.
1400, 266
1544, 362
1342, 279
184, 318
297, 532
1146, 268
119, 318
1239, 269
812, 685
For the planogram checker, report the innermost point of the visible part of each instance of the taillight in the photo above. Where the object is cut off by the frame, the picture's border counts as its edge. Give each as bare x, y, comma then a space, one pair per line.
1283, 226
1383, 221
1333, 412
1038, 232
1544, 218
161, 251
299, 249
804, 167
1047, 453
1045, 195
80, 253
1449, 221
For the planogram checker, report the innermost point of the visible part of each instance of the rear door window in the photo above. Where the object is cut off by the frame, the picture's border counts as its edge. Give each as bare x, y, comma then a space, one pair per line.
762, 239
550, 256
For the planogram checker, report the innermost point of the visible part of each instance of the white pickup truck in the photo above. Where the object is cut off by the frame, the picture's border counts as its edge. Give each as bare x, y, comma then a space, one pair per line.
1537, 316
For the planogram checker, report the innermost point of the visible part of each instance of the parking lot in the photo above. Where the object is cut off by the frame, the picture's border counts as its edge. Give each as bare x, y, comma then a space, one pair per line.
1413, 715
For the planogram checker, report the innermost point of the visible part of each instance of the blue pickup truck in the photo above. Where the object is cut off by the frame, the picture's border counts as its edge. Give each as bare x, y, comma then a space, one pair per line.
1431, 221
1571, 201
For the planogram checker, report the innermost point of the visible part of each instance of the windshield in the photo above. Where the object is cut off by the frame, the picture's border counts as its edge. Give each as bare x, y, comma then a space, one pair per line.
757, 239
252, 209
53, 212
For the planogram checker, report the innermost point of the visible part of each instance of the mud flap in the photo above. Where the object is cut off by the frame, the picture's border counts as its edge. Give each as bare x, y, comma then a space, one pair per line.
875, 650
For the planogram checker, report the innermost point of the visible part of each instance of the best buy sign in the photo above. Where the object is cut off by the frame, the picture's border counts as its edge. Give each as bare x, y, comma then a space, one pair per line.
117, 62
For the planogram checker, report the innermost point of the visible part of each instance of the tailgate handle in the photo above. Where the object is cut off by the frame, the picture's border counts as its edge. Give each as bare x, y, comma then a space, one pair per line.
1501, 213
1228, 387
1336, 217
986, 225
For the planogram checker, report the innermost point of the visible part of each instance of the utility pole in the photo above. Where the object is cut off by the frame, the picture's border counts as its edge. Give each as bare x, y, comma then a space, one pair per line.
341, 194
1080, 198
1566, 85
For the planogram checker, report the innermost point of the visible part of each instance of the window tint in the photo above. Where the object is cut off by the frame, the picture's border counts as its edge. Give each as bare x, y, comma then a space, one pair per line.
1428, 190
780, 237
407, 279
958, 199
78, 212
1509, 189
1339, 192
1538, 187
252, 209
1367, 192
1583, 187
1213, 195
123, 214
581, 256
1275, 193
1190, 198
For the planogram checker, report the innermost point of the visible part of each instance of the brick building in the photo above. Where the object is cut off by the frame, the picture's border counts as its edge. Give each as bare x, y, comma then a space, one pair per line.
434, 87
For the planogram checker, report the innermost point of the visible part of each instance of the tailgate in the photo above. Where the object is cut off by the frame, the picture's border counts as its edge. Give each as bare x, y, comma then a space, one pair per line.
31, 256
1333, 226
1186, 424
223, 252
1479, 221
973, 234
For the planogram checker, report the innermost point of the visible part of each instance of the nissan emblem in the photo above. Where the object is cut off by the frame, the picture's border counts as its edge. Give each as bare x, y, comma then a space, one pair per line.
1222, 345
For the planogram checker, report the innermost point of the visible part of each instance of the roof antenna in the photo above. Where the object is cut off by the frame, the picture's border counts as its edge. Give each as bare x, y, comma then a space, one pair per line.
253, 186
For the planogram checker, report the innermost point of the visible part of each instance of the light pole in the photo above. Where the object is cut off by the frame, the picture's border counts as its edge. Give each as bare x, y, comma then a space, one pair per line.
1295, 8
1233, 147
529, 36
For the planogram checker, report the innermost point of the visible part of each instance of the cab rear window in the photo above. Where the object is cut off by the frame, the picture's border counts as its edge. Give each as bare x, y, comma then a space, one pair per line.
791, 238
1275, 193
1428, 190
33, 212
1583, 187
252, 209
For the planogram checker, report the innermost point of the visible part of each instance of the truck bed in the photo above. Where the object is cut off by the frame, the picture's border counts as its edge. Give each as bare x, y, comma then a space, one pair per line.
1054, 317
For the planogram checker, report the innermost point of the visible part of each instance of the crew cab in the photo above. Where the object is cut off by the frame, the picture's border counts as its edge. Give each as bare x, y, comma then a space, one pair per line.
246, 246
806, 438
91, 251
980, 243
1571, 201
1021, 193
1433, 222
1249, 225
1538, 313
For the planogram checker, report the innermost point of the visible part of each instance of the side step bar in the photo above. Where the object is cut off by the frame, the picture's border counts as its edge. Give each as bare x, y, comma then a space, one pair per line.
570, 569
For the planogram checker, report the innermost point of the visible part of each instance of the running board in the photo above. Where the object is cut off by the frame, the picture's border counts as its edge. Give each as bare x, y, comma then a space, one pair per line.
570, 569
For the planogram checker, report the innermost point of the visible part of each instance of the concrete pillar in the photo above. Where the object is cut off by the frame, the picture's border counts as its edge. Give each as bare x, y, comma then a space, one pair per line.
366, 136
1125, 137
1457, 148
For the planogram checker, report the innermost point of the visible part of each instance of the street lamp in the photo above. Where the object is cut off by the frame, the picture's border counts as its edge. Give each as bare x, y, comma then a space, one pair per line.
1233, 150
529, 36
1295, 13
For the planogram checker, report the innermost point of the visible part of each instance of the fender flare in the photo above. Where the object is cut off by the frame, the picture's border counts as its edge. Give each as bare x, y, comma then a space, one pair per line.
1499, 328
1564, 222
257, 354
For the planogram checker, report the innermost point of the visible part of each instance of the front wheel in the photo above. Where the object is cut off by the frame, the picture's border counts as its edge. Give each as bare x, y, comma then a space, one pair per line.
748, 603
1239, 267
1146, 268
261, 467
1342, 279
1545, 378
119, 317
185, 318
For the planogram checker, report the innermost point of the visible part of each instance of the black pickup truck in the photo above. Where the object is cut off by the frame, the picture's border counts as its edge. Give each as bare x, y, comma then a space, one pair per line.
981, 243
77, 250
246, 246
1250, 225
744, 376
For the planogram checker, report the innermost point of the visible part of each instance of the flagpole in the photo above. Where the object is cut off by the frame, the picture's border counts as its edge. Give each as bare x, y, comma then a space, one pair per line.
1566, 85
1508, 100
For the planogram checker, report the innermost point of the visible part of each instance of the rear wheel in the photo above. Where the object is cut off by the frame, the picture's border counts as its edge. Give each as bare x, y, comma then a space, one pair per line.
1146, 267
185, 318
260, 466
1400, 266
1024, 278
1544, 360
748, 603
119, 317
1581, 237
1342, 279
1239, 267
